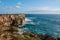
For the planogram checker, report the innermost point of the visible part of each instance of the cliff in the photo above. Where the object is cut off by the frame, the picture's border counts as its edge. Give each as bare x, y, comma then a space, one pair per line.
9, 24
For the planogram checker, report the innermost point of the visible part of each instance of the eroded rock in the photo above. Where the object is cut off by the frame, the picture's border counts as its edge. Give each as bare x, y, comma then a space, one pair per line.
9, 24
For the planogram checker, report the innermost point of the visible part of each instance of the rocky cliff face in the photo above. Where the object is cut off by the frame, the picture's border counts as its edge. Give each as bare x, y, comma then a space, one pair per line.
9, 24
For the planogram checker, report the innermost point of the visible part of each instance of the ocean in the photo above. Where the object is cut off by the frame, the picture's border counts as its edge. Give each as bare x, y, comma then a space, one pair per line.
42, 24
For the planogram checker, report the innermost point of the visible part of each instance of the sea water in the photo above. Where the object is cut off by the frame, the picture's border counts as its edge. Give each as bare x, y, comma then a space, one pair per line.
42, 24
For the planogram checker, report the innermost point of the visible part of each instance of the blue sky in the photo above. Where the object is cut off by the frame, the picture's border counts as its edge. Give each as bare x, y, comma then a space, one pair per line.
30, 6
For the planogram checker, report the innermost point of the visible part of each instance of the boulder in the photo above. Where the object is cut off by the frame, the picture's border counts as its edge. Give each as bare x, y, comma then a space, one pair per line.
58, 38
47, 37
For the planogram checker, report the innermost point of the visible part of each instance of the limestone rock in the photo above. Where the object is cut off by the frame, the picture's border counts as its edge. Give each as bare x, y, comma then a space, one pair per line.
9, 24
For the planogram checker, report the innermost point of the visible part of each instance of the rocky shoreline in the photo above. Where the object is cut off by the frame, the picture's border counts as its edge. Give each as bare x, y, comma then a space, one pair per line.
9, 29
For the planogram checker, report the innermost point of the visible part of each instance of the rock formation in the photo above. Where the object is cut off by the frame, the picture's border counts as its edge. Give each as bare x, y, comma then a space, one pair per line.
9, 24
47, 37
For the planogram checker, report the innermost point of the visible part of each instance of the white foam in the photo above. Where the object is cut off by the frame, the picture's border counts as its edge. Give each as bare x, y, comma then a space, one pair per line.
27, 19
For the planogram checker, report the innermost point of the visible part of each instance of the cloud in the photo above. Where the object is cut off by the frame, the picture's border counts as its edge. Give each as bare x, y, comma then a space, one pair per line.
18, 6
46, 10
10, 8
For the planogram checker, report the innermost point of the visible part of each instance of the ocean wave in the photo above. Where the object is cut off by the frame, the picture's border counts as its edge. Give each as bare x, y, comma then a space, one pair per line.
29, 21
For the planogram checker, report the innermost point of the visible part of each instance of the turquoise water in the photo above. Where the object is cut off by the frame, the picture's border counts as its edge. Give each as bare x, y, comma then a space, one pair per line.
43, 24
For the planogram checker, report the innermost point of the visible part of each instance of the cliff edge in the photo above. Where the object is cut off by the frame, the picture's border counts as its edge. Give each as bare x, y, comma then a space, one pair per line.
9, 24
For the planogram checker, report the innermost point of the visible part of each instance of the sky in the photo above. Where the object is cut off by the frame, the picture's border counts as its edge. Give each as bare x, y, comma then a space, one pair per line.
30, 6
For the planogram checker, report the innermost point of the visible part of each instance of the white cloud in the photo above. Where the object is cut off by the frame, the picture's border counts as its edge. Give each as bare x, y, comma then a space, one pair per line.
47, 10
18, 6
10, 9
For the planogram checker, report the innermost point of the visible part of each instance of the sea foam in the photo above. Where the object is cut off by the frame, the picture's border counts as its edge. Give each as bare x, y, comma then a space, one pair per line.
29, 21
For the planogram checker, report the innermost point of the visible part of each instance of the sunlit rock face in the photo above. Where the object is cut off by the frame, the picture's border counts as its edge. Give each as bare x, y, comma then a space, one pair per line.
7, 20
12, 19
17, 19
9, 24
